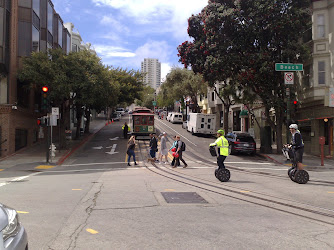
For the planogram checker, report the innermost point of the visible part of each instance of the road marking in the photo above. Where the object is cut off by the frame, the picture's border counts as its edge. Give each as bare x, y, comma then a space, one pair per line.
19, 178
92, 231
1, 170
22, 212
169, 190
3, 184
44, 167
94, 163
112, 150
244, 191
331, 192
76, 189
178, 133
246, 162
100, 147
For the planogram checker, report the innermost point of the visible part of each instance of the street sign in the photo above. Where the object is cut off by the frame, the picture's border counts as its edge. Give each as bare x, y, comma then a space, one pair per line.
55, 111
288, 77
154, 103
288, 67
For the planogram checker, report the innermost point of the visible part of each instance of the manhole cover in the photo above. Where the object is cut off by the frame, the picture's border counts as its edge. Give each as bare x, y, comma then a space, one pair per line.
183, 197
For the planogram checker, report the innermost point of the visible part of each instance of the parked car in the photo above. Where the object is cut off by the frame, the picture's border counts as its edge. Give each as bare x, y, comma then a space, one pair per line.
115, 116
13, 234
120, 111
241, 143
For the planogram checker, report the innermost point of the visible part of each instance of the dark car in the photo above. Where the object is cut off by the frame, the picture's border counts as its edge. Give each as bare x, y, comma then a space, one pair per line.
241, 143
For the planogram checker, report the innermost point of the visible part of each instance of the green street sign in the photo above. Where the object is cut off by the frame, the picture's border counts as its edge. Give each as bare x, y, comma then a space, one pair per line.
288, 67
154, 103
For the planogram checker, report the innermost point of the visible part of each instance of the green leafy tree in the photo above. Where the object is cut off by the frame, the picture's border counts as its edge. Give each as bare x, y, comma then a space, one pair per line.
242, 40
181, 83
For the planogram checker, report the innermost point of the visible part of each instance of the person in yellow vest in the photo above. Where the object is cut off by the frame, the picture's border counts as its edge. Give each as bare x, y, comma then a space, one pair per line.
126, 129
222, 144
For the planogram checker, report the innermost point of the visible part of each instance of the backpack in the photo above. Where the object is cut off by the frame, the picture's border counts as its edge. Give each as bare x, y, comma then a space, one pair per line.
183, 146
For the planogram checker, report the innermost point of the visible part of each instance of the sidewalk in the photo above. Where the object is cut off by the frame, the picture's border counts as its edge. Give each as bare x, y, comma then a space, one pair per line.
311, 162
37, 153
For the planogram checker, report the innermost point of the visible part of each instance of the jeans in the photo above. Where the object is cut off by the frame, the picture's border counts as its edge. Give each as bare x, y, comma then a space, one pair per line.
131, 152
152, 152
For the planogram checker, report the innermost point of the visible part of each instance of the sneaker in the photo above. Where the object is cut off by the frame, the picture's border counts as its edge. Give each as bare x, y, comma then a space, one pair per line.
129, 164
185, 166
156, 161
174, 166
136, 163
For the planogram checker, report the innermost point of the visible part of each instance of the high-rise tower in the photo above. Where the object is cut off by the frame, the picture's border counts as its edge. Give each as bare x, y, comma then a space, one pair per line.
152, 68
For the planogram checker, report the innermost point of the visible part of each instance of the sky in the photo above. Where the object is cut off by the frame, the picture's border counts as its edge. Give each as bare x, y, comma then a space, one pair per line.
124, 32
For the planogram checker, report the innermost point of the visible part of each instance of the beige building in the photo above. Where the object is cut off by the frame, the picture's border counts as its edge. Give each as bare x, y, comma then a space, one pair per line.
152, 68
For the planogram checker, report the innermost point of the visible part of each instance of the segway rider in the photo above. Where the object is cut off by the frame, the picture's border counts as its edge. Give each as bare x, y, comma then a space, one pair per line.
297, 144
222, 144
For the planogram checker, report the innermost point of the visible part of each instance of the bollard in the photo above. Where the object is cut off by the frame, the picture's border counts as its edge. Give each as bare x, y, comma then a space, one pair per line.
322, 143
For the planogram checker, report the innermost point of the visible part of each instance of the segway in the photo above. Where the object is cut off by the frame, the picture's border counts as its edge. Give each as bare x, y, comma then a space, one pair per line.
221, 174
299, 176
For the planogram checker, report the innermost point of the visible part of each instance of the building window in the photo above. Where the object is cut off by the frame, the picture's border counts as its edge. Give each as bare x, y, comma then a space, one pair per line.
213, 96
68, 47
321, 73
74, 48
35, 39
60, 33
50, 18
321, 26
307, 76
36, 6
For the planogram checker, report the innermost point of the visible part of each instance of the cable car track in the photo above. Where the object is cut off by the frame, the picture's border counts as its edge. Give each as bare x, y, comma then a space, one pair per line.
208, 163
296, 208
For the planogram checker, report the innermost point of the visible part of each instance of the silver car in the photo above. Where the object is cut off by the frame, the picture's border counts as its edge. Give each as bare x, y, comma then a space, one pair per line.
13, 236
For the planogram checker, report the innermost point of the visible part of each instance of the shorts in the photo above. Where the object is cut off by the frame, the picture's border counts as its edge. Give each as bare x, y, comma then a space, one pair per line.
299, 154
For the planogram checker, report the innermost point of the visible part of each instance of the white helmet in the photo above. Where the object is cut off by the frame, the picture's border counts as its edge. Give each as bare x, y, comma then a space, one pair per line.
295, 126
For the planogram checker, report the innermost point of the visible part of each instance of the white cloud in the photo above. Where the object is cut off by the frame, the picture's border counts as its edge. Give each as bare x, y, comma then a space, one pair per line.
114, 24
165, 69
174, 13
106, 51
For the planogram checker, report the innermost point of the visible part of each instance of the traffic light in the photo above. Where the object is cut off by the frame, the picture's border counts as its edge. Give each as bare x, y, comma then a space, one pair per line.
45, 98
42, 121
295, 106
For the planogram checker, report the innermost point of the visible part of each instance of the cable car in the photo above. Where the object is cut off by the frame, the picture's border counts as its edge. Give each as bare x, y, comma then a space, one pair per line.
142, 123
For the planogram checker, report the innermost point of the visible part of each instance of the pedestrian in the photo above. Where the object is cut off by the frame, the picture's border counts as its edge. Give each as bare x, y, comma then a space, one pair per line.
222, 144
153, 147
163, 147
171, 149
125, 130
179, 152
131, 150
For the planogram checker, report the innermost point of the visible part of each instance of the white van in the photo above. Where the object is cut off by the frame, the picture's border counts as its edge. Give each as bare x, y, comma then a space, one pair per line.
176, 118
120, 111
169, 116
199, 123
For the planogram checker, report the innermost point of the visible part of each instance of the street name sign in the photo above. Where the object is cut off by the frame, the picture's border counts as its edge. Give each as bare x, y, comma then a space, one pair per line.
154, 103
288, 67
288, 77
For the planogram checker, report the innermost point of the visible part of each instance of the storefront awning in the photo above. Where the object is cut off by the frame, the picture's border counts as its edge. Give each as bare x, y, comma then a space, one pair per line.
243, 114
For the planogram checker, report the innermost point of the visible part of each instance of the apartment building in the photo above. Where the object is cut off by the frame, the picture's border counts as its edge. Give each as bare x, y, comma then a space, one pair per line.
28, 25
152, 70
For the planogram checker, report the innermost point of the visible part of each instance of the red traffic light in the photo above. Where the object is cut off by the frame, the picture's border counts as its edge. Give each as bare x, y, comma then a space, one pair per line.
45, 89
295, 102
38, 122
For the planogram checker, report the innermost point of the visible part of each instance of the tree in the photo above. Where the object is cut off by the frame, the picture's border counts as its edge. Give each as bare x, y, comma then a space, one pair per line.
242, 40
182, 83
147, 96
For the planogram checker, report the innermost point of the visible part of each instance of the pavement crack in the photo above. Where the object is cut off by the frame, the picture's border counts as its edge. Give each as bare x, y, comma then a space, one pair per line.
75, 235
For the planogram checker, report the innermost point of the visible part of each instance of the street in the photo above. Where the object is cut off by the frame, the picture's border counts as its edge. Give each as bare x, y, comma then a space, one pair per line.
95, 201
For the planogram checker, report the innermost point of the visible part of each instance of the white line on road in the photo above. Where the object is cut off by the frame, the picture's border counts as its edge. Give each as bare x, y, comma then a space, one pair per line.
95, 163
178, 133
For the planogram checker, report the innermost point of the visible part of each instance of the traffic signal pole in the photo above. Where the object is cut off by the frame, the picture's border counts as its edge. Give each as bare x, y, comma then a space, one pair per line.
288, 114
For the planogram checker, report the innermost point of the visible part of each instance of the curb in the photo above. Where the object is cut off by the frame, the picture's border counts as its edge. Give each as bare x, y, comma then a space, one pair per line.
72, 150
266, 156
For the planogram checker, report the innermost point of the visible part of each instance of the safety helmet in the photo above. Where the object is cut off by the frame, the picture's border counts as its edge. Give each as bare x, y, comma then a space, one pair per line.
221, 131
294, 126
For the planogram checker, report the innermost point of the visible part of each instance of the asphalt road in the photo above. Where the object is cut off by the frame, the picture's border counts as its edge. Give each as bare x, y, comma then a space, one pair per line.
95, 201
